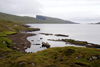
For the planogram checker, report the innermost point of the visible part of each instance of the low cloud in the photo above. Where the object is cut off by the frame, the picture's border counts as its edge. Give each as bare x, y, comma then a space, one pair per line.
20, 7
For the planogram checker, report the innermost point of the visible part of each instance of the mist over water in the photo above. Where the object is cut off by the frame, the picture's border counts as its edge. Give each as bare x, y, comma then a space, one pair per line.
81, 32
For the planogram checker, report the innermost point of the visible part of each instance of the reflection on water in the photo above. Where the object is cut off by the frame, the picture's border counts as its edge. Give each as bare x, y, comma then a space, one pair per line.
90, 33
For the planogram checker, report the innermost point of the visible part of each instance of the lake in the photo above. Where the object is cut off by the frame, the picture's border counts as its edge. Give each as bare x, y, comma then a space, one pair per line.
81, 32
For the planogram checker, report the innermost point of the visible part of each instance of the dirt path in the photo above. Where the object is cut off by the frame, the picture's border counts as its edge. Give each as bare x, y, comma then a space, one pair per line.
20, 41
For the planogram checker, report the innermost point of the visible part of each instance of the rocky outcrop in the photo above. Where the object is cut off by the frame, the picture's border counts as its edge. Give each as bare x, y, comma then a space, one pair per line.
76, 42
62, 35
45, 45
46, 34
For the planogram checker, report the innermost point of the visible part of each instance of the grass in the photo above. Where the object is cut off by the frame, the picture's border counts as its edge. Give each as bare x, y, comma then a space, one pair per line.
51, 57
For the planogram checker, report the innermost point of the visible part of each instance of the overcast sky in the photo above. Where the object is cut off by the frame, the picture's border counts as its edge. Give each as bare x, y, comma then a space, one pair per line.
82, 11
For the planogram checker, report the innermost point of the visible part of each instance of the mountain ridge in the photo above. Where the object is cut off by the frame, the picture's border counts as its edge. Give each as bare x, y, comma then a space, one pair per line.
27, 19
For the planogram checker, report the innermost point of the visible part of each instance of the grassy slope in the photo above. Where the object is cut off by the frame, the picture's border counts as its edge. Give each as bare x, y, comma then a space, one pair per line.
52, 57
26, 19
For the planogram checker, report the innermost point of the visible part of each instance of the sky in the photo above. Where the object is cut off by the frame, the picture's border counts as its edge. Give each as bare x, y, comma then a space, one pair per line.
81, 11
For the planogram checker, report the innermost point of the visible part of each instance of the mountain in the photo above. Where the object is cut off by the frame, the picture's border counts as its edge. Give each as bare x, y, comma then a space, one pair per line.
26, 19
53, 20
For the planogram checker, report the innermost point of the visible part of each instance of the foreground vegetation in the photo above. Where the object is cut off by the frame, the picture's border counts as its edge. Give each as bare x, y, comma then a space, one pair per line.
51, 57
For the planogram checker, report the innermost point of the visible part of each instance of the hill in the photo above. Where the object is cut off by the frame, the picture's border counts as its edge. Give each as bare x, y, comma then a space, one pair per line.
14, 18
53, 20
26, 19
98, 23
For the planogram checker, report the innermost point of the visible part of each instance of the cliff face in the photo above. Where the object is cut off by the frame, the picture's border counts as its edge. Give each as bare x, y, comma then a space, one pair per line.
40, 17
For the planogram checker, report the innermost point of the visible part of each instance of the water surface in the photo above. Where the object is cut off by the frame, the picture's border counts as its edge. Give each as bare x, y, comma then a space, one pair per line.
82, 32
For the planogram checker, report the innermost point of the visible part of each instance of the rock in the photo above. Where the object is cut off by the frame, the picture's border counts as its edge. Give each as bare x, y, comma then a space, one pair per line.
3, 42
93, 46
46, 34
33, 64
36, 44
25, 47
62, 35
45, 45
22, 44
77, 57
14, 46
41, 38
18, 49
94, 57
89, 59
21, 63
60, 56
26, 26
32, 40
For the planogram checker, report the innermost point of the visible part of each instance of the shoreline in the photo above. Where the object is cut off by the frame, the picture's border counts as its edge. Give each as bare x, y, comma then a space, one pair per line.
20, 42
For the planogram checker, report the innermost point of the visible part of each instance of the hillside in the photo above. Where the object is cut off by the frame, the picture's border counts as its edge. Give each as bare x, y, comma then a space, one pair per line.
98, 23
26, 19
53, 20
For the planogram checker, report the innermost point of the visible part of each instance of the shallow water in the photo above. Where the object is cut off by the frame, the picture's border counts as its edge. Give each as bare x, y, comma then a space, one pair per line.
82, 32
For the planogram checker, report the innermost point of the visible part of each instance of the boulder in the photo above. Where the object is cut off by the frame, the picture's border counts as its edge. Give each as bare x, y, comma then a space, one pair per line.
45, 45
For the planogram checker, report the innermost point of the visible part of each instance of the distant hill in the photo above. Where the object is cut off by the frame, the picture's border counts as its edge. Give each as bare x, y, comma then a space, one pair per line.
98, 23
53, 20
26, 19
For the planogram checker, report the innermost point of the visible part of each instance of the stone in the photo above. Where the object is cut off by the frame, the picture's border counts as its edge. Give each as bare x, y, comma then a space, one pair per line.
41, 38
32, 40
45, 45
33, 64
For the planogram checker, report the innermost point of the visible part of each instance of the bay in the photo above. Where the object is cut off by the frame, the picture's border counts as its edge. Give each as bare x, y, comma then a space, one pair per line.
81, 32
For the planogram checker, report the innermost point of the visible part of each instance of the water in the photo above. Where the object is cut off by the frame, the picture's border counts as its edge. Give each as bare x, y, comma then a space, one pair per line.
82, 32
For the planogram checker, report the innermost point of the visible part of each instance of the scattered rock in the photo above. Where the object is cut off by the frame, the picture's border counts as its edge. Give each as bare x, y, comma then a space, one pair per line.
93, 57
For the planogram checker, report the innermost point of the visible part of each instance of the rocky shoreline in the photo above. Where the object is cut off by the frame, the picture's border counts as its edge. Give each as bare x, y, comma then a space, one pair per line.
20, 41
76, 42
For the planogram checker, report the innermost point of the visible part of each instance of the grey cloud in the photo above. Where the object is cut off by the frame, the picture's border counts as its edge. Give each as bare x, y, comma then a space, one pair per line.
20, 7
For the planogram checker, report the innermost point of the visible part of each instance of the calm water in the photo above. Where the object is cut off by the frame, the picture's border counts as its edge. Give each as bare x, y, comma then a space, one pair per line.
82, 32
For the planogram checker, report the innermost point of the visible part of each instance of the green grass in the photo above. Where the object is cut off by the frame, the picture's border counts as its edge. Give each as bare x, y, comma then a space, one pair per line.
52, 57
